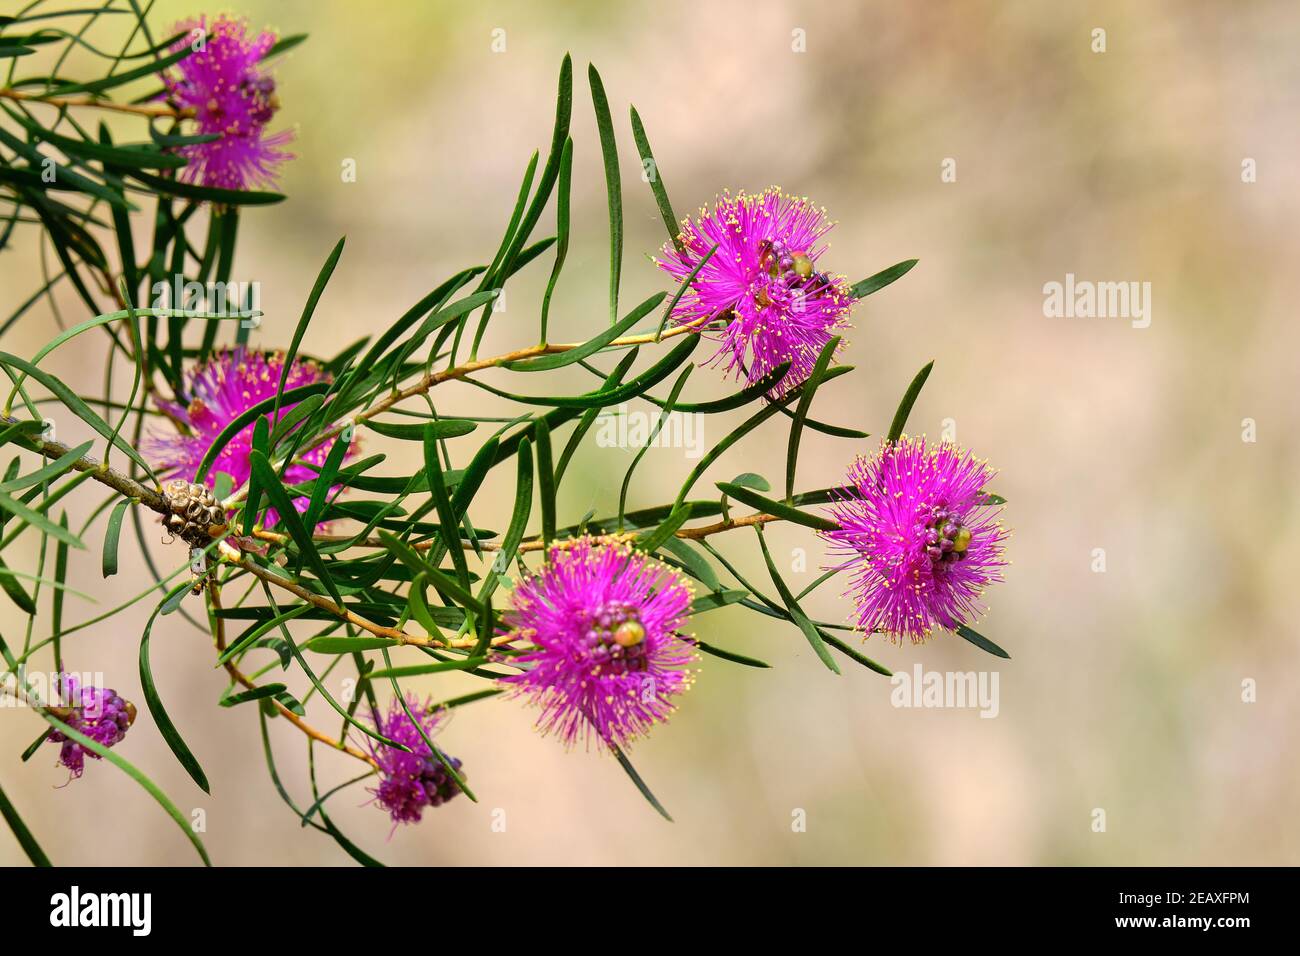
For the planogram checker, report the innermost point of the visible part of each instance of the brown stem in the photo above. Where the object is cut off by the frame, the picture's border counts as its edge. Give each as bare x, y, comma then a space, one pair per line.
219, 639
90, 101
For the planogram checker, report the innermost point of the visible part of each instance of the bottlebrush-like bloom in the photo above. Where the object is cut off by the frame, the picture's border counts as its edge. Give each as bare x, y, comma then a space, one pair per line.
763, 280
409, 782
233, 98
97, 712
607, 655
219, 390
920, 537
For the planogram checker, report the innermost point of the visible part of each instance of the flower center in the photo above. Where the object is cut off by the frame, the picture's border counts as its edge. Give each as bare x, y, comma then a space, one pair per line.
790, 270
616, 638
946, 538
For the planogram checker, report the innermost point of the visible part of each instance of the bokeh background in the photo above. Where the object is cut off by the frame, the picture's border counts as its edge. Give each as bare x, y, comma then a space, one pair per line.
1125, 688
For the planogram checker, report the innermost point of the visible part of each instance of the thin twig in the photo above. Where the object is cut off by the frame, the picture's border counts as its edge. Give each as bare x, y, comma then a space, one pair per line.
219, 638
89, 101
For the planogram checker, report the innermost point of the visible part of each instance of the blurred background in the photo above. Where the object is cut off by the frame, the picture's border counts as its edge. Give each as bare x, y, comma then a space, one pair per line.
1125, 688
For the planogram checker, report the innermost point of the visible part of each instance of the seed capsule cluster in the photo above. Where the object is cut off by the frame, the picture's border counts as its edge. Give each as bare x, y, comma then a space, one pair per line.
194, 511
946, 538
794, 268
616, 639
437, 783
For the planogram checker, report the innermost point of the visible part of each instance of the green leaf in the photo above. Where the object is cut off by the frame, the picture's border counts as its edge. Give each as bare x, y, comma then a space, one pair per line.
810, 630
545, 478
213, 194
881, 279
15, 590
778, 508
324, 481
801, 412
257, 693
446, 515
416, 670
440, 429
711, 602
909, 399
160, 717
562, 231
651, 541
731, 655
591, 346
21, 833
347, 645
650, 170
854, 654
257, 631
640, 784
77, 407
21, 511
248, 417
265, 474
613, 186
309, 309
980, 641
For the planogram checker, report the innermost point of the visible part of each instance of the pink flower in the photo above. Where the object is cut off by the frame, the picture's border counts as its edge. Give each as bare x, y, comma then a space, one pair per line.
218, 391
607, 657
410, 781
920, 537
763, 282
232, 98
98, 713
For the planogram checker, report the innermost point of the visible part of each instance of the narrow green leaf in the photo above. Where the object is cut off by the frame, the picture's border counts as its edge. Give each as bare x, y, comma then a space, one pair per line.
650, 170
801, 413
796, 613
52, 470
640, 784
271, 486
593, 345
909, 399
562, 232
21, 833
440, 429
731, 655
21, 511
980, 641
715, 600
446, 515
778, 508
881, 279
545, 477
416, 670
613, 186
77, 407
160, 717
16, 592
347, 645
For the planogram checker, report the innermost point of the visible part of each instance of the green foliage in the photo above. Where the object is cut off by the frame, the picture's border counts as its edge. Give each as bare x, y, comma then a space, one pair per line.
401, 582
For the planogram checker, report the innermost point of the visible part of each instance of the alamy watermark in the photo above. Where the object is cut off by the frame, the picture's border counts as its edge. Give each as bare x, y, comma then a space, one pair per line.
1083, 299
219, 298
623, 428
954, 690
24, 688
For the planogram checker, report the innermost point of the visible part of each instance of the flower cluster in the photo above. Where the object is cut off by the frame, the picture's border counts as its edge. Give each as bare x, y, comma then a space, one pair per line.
97, 712
920, 536
607, 657
232, 98
219, 390
413, 779
763, 281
